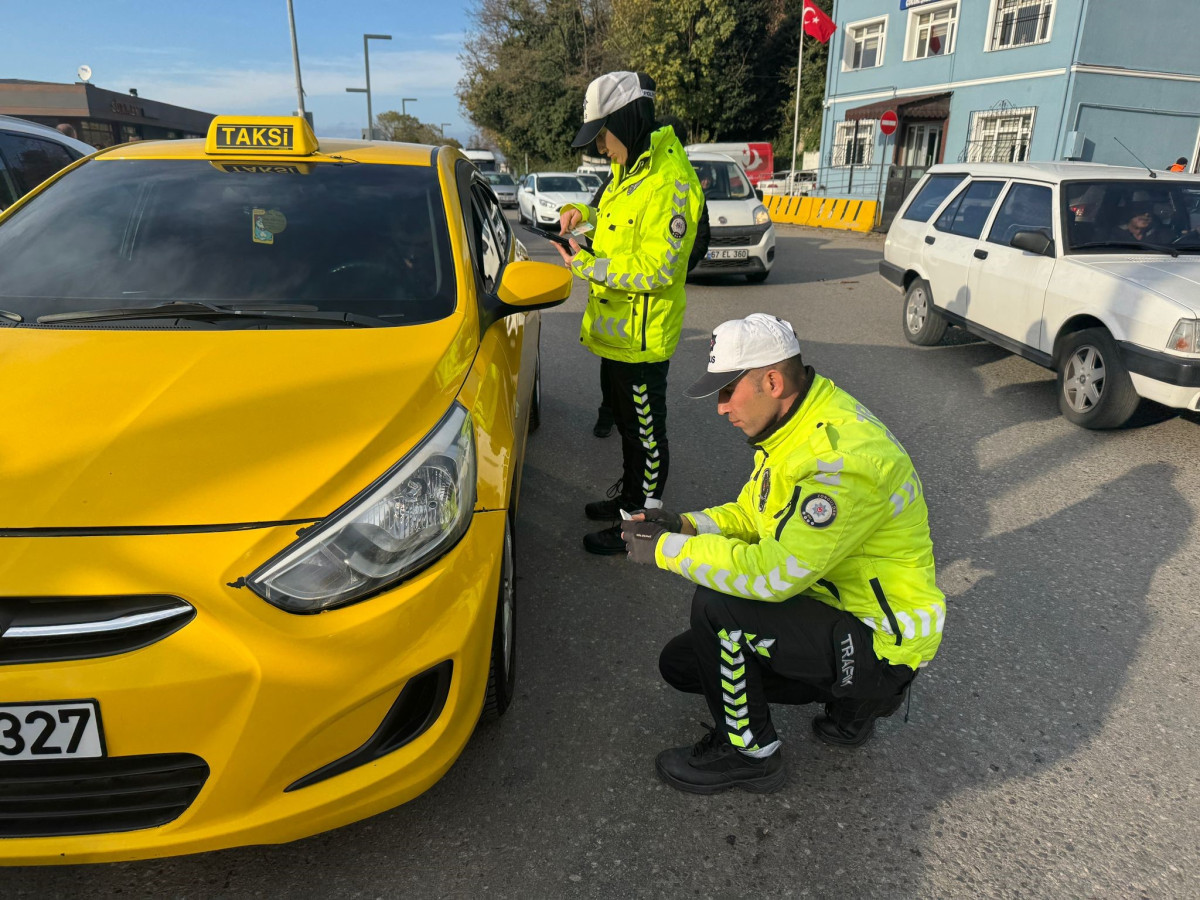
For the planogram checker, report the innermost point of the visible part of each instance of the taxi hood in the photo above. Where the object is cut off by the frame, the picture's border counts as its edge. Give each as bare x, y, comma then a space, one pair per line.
148, 428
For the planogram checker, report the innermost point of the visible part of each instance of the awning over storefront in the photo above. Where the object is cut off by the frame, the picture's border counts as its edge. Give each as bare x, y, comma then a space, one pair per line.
922, 106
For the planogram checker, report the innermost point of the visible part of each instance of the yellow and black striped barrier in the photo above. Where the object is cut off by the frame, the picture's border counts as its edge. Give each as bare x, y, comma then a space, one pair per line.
823, 212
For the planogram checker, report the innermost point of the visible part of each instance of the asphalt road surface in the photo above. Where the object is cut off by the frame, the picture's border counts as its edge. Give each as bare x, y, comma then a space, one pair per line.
1051, 749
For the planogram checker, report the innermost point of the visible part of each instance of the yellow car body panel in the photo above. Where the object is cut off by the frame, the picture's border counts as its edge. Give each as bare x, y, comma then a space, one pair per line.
264, 430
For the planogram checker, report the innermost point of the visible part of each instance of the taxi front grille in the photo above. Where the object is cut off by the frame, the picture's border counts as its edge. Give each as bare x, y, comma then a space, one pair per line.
55, 629
96, 796
736, 235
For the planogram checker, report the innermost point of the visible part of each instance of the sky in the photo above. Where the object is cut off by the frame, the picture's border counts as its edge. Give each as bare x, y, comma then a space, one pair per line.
220, 56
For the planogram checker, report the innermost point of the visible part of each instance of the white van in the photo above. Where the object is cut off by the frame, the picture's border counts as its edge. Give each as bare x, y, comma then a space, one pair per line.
742, 238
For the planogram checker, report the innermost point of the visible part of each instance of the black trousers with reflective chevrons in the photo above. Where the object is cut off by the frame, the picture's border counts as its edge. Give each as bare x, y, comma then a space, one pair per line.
743, 655
638, 395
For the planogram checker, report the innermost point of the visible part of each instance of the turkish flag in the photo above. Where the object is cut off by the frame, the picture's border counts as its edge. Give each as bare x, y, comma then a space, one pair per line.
816, 23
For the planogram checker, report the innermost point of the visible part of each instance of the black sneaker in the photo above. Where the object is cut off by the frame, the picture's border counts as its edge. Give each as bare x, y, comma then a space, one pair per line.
609, 510
604, 423
713, 764
607, 542
850, 723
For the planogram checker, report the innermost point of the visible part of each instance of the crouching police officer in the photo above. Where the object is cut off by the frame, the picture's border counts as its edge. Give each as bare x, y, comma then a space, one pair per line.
643, 231
815, 586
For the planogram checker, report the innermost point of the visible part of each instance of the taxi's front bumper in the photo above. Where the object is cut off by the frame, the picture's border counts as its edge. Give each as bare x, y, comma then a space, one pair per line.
280, 708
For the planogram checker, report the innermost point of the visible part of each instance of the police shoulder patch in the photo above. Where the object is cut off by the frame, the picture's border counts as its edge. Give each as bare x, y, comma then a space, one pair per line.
678, 226
818, 510
764, 489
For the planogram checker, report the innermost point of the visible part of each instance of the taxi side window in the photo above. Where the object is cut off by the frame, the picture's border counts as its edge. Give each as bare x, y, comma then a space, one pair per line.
485, 243
31, 159
496, 216
9, 192
968, 212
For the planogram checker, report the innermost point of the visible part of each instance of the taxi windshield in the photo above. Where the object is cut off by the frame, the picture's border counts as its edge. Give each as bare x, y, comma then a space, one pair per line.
722, 181
368, 240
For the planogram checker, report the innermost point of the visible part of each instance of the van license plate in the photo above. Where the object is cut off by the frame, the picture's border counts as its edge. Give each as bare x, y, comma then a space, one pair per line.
50, 731
728, 254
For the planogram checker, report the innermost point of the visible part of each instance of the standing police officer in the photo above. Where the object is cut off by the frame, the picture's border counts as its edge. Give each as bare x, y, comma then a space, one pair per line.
815, 585
643, 231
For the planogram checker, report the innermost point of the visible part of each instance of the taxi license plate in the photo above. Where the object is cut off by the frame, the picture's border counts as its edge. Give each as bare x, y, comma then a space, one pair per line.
728, 254
50, 731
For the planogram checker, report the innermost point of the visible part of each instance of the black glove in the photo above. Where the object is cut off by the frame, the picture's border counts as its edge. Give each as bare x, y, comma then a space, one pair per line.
668, 520
641, 538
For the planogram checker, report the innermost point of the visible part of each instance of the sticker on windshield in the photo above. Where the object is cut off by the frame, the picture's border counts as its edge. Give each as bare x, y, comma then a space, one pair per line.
274, 221
258, 228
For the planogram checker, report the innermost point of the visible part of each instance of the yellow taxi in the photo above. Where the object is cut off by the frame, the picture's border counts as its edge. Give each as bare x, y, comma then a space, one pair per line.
266, 407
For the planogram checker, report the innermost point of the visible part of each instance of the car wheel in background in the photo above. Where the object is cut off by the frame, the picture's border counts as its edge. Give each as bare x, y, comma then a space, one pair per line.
502, 670
1094, 388
757, 277
923, 324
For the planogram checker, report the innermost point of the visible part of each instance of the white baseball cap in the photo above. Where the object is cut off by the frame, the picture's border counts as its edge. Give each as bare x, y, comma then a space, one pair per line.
605, 95
741, 344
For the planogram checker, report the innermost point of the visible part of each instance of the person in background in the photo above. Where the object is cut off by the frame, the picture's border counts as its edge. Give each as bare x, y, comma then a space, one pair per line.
1179, 166
643, 233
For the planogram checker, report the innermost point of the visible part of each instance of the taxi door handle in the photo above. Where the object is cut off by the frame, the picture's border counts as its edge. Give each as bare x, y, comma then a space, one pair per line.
981, 254
929, 238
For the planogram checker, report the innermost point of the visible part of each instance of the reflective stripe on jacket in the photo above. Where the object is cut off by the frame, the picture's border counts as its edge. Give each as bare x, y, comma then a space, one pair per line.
643, 232
835, 511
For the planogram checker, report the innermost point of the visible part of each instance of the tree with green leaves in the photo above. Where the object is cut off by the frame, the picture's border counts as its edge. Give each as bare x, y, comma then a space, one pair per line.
394, 126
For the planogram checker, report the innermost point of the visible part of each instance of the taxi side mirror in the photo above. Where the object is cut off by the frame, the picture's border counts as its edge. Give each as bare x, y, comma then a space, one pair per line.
526, 285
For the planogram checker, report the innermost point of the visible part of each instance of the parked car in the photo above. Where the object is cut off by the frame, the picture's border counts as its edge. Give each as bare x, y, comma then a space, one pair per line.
258, 511
29, 154
590, 180
503, 187
789, 183
544, 193
1092, 271
742, 238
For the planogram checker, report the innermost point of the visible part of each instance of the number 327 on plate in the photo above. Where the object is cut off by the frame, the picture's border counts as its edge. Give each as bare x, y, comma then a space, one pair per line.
50, 731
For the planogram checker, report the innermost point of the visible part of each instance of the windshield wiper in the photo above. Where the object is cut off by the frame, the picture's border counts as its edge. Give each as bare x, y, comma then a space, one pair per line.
1159, 248
297, 312
11, 316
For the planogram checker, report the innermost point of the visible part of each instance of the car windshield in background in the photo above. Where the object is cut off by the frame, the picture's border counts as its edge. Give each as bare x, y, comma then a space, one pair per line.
361, 239
722, 181
1132, 216
557, 184
500, 178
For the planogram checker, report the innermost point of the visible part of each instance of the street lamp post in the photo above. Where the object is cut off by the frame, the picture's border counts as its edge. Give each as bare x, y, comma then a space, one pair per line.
367, 89
403, 104
442, 128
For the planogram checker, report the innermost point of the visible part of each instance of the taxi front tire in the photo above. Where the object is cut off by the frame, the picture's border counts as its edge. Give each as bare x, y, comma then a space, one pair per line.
502, 670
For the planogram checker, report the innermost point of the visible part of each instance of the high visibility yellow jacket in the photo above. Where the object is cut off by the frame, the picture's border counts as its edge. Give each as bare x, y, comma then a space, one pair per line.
834, 511
643, 233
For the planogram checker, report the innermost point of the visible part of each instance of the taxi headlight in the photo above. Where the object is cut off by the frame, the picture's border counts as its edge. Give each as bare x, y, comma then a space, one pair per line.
1186, 337
761, 216
401, 523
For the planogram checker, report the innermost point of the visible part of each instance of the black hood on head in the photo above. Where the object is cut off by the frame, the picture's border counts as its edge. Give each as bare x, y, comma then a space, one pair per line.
633, 123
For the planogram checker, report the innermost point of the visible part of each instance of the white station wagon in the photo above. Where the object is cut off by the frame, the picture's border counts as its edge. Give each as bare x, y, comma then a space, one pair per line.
1090, 270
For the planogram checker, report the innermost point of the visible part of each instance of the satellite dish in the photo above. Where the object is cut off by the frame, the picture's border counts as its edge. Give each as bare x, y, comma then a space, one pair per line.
84, 72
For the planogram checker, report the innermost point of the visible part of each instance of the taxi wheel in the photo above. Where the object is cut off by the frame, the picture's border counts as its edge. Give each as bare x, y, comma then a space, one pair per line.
923, 324
502, 671
1094, 388
535, 398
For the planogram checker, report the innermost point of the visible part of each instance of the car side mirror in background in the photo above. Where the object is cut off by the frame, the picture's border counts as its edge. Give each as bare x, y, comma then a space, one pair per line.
1033, 242
758, 193
527, 285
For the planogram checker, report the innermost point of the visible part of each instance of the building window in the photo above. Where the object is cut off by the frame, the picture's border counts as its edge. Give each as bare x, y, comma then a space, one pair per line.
1000, 135
1020, 22
864, 45
931, 32
853, 142
98, 134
